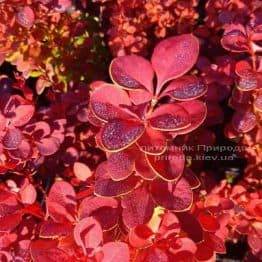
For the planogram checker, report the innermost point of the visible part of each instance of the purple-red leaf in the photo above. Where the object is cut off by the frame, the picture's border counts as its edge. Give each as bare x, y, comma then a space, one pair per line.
244, 122
61, 202
105, 186
235, 39
12, 139
119, 134
25, 17
169, 117
186, 88
173, 57
23, 114
47, 250
121, 164
115, 251
105, 101
197, 111
137, 207
132, 72
143, 169
152, 142
191, 178
104, 209
191, 226
170, 165
258, 103
48, 146
88, 234
173, 196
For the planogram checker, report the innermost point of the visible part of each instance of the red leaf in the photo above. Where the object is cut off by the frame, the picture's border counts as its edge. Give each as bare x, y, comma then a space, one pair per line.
191, 226
140, 96
48, 146
197, 113
248, 81
115, 251
173, 57
153, 254
119, 134
183, 256
235, 39
168, 166
8, 203
244, 122
204, 252
88, 234
10, 222
137, 207
169, 117
173, 196
143, 169
61, 202
28, 194
186, 88
105, 102
104, 209
82, 171
38, 130
216, 243
169, 225
183, 244
33, 209
25, 17
50, 229
242, 67
105, 186
12, 139
258, 103
255, 242
208, 222
140, 236
191, 178
152, 142
47, 250
23, 114
121, 164
132, 72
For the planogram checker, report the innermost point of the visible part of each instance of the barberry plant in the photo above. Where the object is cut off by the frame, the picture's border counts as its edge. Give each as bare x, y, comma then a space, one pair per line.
130, 130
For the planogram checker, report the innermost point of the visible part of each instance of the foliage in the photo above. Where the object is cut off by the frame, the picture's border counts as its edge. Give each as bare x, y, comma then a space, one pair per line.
159, 159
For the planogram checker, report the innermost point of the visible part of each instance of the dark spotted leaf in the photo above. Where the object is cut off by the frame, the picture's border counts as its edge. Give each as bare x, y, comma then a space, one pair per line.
244, 122
186, 88
121, 164
173, 57
105, 101
169, 117
119, 134
132, 72
105, 186
25, 17
12, 139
